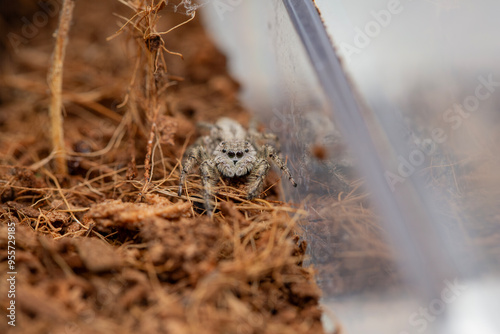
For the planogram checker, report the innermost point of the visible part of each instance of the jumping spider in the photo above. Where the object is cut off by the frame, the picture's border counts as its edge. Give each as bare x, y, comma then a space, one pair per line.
231, 152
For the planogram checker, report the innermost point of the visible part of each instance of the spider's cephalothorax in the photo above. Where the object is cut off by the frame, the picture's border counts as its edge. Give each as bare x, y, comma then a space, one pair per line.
230, 151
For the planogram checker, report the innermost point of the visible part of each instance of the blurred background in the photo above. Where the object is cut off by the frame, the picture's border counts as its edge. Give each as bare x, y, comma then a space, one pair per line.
405, 239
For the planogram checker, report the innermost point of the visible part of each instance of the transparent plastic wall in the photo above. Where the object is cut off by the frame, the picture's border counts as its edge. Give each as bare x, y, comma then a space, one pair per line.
395, 146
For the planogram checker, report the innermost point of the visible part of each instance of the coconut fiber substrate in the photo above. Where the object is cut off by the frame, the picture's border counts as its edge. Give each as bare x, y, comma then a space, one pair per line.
95, 239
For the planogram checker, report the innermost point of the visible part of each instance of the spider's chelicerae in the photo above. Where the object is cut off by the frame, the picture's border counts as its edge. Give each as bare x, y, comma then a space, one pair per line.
231, 152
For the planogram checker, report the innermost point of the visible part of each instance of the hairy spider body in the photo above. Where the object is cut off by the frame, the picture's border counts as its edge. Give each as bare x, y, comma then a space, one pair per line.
232, 152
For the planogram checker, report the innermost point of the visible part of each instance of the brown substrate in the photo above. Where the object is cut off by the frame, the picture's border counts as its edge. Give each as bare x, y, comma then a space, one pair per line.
95, 254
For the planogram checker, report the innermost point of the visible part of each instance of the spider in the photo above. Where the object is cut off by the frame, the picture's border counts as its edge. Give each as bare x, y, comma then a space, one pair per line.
231, 152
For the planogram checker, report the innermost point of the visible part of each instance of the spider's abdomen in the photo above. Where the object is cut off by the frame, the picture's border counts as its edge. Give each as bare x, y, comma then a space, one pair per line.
230, 130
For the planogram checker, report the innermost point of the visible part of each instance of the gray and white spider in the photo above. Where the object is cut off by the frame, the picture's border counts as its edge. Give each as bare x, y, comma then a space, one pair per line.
231, 152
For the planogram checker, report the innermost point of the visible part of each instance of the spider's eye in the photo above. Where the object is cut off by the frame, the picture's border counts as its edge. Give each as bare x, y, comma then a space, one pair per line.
239, 154
231, 155
224, 151
246, 150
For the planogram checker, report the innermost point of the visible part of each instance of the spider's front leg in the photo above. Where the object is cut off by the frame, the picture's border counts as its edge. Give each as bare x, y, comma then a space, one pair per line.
261, 168
256, 178
271, 152
194, 157
209, 177
208, 171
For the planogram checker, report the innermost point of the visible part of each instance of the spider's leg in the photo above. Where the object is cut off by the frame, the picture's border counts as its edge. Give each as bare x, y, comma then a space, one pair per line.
252, 126
205, 125
256, 178
271, 152
256, 135
209, 177
264, 136
193, 157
